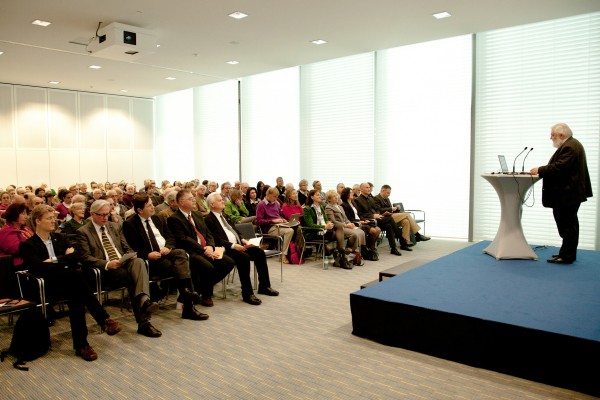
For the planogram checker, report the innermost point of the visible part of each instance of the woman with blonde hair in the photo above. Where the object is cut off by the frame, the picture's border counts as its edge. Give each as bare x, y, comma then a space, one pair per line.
356, 237
236, 210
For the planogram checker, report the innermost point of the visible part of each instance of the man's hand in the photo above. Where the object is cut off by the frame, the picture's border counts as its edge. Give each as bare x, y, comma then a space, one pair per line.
534, 171
114, 264
165, 251
154, 255
238, 247
69, 250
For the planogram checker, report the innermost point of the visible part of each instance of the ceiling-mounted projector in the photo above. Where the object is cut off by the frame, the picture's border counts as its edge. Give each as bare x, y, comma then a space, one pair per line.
122, 42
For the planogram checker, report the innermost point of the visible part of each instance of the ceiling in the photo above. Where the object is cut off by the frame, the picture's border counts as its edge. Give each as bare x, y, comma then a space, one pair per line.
197, 37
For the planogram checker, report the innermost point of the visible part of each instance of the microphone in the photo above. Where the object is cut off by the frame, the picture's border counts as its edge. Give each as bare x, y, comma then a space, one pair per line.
514, 162
525, 158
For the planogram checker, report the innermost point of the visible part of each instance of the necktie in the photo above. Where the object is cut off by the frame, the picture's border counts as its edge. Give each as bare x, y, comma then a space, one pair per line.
153, 242
110, 250
226, 224
202, 240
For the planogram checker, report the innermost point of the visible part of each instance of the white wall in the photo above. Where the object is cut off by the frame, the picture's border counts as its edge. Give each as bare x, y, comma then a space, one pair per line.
61, 137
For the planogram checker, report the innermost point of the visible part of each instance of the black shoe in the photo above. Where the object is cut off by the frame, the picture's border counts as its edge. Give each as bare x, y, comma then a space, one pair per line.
344, 262
395, 252
268, 291
147, 329
190, 312
405, 247
559, 260
149, 307
555, 255
336, 257
187, 296
252, 299
421, 238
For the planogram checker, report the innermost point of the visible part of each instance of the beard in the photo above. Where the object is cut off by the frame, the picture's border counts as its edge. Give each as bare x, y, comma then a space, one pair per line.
556, 143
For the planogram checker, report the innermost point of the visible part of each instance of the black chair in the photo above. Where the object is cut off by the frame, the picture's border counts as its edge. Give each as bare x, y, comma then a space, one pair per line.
9, 290
248, 233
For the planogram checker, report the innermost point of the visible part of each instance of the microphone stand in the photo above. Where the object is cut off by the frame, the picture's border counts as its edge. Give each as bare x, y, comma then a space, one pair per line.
514, 162
525, 158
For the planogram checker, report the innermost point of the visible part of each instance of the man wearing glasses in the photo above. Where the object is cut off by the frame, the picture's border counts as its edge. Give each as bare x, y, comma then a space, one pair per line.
103, 246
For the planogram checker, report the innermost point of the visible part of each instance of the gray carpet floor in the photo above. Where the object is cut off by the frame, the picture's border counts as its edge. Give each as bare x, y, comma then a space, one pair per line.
295, 346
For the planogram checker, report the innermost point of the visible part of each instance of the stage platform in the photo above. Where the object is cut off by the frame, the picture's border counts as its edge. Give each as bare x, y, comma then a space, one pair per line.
526, 318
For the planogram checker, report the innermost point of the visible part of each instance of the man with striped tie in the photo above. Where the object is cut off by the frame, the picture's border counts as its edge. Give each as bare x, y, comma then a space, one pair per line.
103, 245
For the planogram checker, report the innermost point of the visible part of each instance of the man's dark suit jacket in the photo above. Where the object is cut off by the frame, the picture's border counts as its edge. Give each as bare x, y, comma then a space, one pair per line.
90, 244
137, 238
219, 234
566, 177
366, 206
185, 234
384, 204
34, 252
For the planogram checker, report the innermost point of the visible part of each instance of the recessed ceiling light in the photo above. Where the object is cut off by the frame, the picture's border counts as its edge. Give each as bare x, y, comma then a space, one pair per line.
124, 90
318, 41
238, 15
170, 78
54, 82
233, 62
1, 52
94, 67
39, 22
441, 15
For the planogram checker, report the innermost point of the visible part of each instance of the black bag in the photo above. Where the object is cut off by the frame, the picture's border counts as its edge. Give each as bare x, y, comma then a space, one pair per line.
30, 340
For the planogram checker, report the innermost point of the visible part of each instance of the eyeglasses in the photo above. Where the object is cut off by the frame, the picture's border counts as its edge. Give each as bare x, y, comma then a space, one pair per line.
102, 215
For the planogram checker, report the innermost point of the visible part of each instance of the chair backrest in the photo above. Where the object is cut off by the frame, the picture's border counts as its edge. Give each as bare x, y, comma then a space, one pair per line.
247, 230
9, 287
401, 206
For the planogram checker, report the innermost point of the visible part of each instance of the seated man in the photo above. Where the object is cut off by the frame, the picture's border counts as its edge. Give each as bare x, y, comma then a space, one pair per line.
102, 244
239, 250
190, 232
369, 210
49, 255
268, 216
149, 236
404, 219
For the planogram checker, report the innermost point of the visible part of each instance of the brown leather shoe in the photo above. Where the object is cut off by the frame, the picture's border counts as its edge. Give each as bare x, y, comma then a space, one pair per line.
207, 302
147, 329
190, 312
87, 353
111, 327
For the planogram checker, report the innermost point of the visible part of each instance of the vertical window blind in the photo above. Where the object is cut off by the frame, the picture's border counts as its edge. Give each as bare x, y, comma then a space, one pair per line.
527, 79
270, 121
337, 120
423, 130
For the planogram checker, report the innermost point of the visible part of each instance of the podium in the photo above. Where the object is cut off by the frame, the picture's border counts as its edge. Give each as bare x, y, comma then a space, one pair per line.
510, 241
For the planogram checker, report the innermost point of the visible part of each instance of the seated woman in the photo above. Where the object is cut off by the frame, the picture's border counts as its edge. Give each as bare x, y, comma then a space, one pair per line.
49, 255
14, 232
356, 236
251, 200
77, 213
372, 231
291, 204
236, 209
4, 200
314, 216
65, 197
260, 190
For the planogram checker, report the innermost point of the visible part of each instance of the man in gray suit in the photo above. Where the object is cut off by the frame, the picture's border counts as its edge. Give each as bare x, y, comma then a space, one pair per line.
102, 245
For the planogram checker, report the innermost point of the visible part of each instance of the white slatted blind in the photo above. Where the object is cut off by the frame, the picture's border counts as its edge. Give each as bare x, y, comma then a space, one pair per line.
271, 127
216, 132
422, 146
528, 78
337, 120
